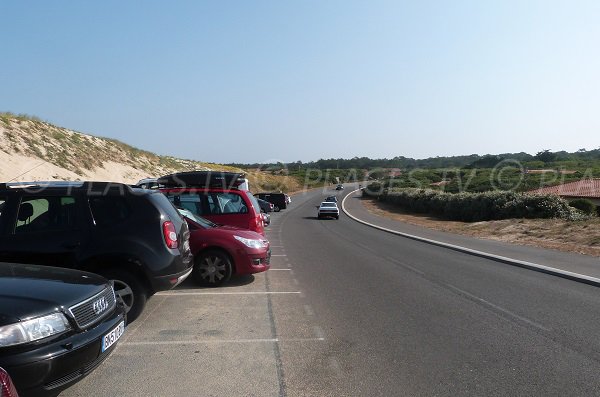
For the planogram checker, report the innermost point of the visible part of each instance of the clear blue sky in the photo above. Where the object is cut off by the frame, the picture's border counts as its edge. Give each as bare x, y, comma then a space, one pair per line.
253, 81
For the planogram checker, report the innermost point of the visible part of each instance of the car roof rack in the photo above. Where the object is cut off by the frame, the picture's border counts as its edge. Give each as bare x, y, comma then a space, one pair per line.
203, 179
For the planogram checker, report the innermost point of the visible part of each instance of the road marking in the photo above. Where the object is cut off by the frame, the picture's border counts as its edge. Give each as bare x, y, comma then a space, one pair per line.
582, 278
503, 310
228, 293
215, 341
279, 255
289, 270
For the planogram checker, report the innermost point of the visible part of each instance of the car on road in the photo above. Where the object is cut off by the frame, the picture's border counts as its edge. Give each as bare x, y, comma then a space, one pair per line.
223, 251
331, 199
56, 326
134, 237
339, 187
216, 196
328, 209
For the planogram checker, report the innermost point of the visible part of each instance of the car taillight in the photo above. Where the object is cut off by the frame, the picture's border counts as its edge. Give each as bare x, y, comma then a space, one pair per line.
7, 388
170, 235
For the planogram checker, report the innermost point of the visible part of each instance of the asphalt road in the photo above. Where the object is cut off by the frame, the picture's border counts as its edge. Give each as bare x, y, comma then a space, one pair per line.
350, 311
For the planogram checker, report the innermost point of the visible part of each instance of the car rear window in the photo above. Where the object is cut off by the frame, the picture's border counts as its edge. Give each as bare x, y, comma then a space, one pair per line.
328, 205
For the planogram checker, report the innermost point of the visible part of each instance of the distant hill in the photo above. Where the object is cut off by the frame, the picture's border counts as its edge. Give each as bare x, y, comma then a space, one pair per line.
31, 149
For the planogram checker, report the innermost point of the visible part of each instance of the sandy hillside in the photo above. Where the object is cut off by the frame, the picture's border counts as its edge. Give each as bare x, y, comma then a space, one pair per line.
31, 150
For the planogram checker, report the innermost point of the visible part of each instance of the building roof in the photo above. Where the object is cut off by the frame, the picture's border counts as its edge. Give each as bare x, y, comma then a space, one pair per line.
583, 188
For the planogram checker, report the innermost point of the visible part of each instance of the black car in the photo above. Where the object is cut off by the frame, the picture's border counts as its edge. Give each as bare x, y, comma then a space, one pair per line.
265, 206
56, 326
134, 237
277, 199
331, 199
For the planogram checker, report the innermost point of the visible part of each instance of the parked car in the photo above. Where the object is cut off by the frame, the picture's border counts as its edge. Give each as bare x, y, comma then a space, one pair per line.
331, 199
215, 196
7, 387
133, 237
266, 219
328, 209
277, 199
265, 205
223, 251
56, 326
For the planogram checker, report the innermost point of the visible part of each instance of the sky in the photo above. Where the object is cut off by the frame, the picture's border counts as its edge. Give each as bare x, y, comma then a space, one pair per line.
262, 81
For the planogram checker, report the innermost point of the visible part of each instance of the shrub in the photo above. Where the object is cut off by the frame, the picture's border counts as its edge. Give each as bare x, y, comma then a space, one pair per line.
584, 205
472, 207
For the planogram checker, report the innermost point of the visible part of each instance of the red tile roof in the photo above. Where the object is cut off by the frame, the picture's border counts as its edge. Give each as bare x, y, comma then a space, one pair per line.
582, 188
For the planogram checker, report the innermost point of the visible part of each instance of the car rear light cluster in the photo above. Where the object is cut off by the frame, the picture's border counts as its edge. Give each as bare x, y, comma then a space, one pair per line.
7, 388
170, 235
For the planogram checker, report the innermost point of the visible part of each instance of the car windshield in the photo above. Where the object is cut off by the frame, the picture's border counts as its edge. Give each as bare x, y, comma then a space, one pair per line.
205, 223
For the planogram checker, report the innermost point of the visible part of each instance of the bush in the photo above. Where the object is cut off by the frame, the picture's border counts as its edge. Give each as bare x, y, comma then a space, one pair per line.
584, 205
471, 207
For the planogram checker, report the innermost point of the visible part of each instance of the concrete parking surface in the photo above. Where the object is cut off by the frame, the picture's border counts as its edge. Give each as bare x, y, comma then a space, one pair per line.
225, 341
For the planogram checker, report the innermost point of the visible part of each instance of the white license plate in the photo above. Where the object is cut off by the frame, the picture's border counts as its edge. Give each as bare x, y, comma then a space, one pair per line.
109, 339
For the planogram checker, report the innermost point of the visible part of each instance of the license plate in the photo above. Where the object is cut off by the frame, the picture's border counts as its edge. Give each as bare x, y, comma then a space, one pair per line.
109, 339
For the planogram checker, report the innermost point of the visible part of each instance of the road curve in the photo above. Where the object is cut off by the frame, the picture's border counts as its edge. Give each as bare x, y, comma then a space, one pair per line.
400, 317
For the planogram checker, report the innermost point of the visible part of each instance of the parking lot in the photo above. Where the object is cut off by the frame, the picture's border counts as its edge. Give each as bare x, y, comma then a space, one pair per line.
213, 341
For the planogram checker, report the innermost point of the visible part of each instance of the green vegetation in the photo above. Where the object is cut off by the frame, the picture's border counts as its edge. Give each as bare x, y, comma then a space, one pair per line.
471, 207
585, 206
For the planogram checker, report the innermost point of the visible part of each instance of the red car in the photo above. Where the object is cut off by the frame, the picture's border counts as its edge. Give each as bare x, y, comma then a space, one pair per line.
216, 196
222, 251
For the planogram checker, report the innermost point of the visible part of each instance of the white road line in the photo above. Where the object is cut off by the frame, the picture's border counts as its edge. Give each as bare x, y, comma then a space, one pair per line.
584, 278
279, 255
228, 293
289, 270
215, 341
503, 310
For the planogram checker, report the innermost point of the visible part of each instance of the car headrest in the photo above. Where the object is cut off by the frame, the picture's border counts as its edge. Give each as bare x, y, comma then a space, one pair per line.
25, 211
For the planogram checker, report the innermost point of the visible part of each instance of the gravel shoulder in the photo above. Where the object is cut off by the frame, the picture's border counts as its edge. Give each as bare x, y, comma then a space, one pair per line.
582, 237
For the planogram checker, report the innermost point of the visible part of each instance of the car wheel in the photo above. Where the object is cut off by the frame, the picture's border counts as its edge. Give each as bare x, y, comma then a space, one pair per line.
212, 268
337, 217
130, 290
276, 209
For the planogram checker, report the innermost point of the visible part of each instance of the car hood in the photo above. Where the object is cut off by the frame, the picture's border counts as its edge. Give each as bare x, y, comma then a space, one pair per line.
30, 291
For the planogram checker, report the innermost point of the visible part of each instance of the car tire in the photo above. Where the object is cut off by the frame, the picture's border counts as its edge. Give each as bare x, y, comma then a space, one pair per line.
130, 290
337, 217
276, 209
212, 268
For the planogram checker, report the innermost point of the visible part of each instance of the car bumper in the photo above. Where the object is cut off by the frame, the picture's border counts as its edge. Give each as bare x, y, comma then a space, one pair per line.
49, 369
252, 261
328, 213
167, 282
